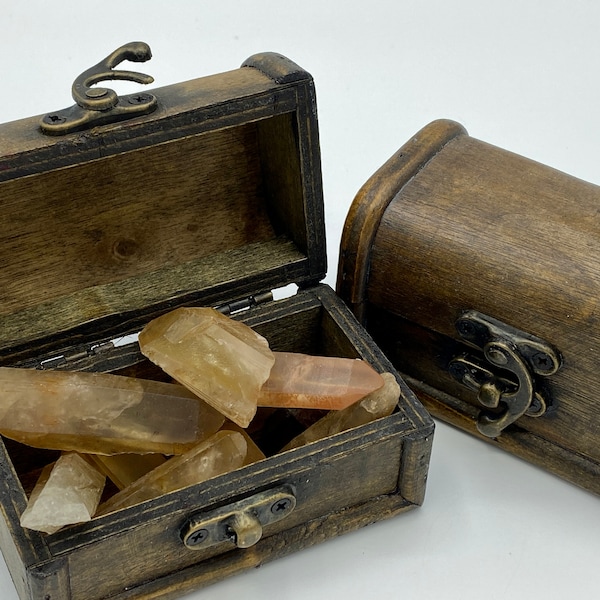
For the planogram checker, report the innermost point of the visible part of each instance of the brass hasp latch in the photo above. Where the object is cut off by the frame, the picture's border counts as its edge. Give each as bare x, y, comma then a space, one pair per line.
507, 379
100, 105
240, 523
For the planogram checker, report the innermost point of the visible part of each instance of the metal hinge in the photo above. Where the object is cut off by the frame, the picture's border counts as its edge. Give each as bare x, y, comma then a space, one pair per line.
74, 356
245, 303
507, 379
62, 361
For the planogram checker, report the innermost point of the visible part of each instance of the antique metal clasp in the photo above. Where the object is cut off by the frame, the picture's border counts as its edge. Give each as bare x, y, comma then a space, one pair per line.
100, 105
241, 522
506, 381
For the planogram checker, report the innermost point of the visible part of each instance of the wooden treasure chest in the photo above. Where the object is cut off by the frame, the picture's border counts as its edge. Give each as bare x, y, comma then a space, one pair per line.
478, 273
123, 208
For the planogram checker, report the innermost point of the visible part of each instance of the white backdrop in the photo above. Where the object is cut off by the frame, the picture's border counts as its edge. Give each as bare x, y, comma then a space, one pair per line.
522, 75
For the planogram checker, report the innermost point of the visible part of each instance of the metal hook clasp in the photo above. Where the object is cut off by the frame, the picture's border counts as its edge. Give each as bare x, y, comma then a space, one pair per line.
100, 105
510, 404
506, 382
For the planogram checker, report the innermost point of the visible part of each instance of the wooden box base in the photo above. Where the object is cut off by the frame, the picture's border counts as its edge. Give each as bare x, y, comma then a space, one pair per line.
340, 483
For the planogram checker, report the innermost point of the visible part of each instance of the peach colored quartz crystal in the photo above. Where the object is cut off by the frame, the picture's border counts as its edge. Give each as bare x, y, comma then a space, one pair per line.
221, 453
303, 381
377, 404
221, 360
66, 493
99, 413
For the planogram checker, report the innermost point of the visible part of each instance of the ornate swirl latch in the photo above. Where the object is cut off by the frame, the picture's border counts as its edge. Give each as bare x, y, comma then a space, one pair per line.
100, 105
507, 379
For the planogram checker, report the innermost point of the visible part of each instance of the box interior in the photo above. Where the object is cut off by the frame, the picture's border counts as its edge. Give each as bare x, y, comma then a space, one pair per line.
308, 329
221, 211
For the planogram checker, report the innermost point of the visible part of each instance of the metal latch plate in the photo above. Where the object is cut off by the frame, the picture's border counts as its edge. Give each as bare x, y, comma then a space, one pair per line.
241, 523
508, 382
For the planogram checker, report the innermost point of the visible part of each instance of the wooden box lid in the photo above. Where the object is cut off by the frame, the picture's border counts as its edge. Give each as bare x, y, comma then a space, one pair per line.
215, 195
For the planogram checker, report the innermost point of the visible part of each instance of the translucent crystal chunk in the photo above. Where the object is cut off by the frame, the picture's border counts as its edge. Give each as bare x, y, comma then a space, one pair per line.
377, 404
221, 360
67, 492
323, 382
101, 414
124, 469
253, 453
221, 453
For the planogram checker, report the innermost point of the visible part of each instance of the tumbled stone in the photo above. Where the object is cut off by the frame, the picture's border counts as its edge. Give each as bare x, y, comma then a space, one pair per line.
221, 453
377, 404
67, 492
322, 382
100, 413
221, 360
124, 469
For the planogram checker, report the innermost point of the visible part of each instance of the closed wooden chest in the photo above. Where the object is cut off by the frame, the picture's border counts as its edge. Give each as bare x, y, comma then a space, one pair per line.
210, 194
478, 273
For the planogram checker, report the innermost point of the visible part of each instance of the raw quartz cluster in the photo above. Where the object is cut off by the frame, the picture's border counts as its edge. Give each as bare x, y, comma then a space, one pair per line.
223, 369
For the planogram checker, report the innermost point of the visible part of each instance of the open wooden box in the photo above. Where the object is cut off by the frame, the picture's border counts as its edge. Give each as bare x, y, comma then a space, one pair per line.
214, 198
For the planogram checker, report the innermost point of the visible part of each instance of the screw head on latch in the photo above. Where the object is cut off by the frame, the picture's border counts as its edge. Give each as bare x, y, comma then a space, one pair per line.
542, 362
195, 538
281, 506
54, 119
465, 328
139, 98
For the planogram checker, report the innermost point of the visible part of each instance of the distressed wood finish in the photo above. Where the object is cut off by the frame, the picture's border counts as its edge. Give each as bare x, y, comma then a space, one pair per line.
214, 197
472, 227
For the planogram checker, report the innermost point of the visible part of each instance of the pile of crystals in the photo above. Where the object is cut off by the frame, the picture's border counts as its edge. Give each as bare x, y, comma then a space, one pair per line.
124, 428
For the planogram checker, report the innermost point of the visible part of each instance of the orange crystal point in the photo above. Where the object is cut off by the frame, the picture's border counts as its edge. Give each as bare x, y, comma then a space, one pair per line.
303, 381
221, 360
375, 405
97, 413
219, 454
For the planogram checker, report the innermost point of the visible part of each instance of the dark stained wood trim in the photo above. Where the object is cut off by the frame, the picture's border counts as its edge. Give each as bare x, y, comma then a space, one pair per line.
371, 202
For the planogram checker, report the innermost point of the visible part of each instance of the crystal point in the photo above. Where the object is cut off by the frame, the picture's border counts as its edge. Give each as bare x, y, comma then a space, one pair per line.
100, 413
67, 492
375, 405
221, 453
221, 360
324, 382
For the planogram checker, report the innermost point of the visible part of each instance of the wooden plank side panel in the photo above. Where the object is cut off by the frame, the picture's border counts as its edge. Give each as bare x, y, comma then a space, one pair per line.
277, 546
124, 306
481, 228
562, 461
23, 550
369, 468
124, 216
